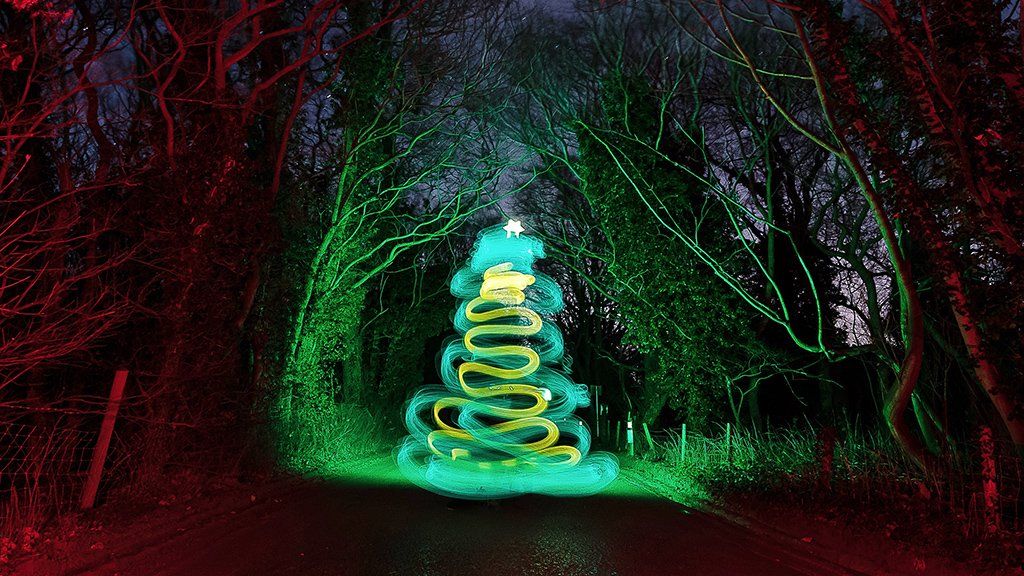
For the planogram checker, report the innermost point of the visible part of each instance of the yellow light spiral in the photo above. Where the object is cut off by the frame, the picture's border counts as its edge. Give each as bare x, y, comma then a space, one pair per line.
504, 286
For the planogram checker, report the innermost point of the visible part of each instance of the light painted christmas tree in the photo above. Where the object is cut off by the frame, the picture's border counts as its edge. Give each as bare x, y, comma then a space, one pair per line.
503, 423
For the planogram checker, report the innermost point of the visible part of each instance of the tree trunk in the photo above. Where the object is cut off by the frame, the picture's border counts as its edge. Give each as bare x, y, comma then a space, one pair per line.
754, 408
353, 366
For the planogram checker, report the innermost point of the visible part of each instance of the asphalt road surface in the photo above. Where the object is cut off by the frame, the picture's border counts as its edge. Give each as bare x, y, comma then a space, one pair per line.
373, 523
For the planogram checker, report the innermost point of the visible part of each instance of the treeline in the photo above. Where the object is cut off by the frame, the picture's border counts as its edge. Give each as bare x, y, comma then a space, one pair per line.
760, 213
228, 199
799, 211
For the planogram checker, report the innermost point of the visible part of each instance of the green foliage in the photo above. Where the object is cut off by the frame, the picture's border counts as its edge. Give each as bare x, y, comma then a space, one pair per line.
325, 231
692, 327
386, 178
331, 329
407, 308
406, 351
328, 438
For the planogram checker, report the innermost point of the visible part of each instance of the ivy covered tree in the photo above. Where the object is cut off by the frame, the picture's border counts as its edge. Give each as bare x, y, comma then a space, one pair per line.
696, 334
396, 161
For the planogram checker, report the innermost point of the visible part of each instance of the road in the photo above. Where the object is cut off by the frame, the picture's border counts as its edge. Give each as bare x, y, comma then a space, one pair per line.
373, 523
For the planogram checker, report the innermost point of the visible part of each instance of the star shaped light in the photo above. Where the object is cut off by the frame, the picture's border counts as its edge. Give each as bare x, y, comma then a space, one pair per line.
513, 226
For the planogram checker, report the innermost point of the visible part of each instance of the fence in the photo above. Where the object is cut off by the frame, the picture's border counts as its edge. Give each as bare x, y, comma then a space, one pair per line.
49, 469
42, 470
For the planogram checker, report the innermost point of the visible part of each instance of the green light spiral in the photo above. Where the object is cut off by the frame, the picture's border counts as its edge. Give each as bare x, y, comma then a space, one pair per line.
503, 422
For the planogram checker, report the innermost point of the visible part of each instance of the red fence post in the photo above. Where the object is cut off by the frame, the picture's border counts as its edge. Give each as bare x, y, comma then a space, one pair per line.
99, 453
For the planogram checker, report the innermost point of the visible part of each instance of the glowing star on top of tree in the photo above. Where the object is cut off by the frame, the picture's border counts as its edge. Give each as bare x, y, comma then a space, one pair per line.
513, 227
503, 425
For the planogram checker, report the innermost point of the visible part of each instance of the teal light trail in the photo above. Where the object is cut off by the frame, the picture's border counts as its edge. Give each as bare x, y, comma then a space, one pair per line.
503, 424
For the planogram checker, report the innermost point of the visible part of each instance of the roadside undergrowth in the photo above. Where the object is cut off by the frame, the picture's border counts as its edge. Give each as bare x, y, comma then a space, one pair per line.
860, 481
323, 441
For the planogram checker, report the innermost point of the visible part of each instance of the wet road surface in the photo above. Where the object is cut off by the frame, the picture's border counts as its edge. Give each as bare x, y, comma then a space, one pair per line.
374, 524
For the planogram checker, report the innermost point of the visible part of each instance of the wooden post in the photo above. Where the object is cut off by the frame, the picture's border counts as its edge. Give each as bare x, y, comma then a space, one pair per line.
682, 444
597, 412
618, 428
647, 435
99, 453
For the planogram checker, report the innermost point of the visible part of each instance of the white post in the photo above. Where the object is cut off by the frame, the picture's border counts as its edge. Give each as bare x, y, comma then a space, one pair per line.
682, 444
728, 442
629, 433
